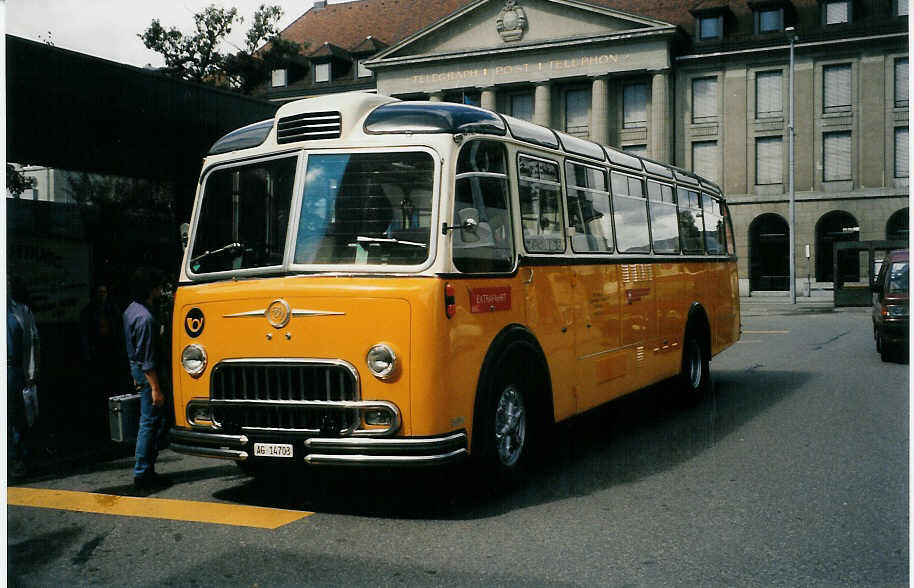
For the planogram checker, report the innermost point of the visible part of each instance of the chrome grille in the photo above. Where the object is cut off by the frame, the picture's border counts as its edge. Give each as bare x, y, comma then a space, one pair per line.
309, 126
284, 396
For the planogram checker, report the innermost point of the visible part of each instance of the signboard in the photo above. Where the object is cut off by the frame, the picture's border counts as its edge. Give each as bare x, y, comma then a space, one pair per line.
55, 273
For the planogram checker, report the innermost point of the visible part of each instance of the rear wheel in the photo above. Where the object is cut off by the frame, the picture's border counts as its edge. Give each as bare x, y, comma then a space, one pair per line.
695, 376
886, 350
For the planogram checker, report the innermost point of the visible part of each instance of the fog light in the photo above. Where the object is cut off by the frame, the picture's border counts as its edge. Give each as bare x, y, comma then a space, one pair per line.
199, 413
193, 359
377, 417
382, 361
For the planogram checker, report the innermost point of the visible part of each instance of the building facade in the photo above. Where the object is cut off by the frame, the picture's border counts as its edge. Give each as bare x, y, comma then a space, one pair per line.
704, 85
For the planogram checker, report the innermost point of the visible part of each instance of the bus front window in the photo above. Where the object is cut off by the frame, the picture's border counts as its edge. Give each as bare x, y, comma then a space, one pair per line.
366, 208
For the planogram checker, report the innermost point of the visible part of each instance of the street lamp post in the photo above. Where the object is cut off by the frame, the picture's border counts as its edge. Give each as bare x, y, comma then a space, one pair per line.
791, 32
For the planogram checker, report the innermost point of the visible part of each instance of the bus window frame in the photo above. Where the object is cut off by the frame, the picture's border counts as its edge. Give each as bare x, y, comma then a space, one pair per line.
271, 270
560, 199
631, 174
723, 244
568, 186
675, 203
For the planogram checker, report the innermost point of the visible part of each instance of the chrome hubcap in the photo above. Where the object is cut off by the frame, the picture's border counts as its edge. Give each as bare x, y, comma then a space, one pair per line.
510, 425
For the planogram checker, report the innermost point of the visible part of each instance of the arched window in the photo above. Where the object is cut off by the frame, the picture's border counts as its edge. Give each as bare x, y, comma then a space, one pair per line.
835, 227
769, 253
896, 229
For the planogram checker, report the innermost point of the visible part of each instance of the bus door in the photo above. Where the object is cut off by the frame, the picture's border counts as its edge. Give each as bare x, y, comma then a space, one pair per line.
547, 278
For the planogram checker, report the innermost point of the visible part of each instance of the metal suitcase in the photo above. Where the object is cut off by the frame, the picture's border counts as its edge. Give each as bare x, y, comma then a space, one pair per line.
124, 417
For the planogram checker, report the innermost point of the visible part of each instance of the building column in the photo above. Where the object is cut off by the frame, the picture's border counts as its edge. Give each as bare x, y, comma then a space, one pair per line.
542, 104
599, 111
661, 123
487, 99
436, 97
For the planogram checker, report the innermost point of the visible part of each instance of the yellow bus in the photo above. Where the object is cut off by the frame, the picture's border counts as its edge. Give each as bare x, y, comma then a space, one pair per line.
375, 282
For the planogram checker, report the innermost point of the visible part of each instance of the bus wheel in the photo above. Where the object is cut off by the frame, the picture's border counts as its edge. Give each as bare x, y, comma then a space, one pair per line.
696, 369
510, 426
504, 426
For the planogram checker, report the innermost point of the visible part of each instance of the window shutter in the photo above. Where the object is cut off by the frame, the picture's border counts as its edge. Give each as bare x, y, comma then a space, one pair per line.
901, 83
902, 7
522, 106
837, 87
836, 12
577, 115
704, 99
768, 94
768, 161
634, 105
705, 159
837, 154
901, 152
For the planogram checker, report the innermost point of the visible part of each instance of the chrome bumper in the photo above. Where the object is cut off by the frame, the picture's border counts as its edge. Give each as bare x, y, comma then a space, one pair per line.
338, 451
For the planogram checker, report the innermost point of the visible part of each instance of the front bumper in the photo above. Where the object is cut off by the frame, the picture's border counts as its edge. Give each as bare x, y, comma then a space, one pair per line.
337, 451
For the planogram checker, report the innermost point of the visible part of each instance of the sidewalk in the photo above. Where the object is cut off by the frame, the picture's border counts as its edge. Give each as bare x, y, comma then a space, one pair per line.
765, 304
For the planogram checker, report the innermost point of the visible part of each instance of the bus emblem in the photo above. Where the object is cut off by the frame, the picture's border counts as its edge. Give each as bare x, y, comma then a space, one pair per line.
278, 313
193, 322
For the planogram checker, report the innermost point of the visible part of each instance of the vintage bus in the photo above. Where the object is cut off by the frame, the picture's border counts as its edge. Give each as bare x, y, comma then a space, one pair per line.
375, 282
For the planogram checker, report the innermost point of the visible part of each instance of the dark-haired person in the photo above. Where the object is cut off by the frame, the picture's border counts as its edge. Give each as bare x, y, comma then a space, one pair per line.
141, 332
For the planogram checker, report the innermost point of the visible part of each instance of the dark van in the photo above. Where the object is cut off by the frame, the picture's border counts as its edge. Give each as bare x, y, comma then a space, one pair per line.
890, 305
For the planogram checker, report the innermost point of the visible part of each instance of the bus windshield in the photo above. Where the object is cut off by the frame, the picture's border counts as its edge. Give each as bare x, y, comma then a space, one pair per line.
366, 208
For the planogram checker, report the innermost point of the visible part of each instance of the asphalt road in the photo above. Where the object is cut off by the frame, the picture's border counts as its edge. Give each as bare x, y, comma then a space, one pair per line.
793, 472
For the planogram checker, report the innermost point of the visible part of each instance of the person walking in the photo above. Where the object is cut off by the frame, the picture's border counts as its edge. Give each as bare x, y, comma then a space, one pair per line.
141, 333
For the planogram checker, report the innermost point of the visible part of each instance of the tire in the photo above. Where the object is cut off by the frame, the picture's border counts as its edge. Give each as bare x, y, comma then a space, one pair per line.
695, 375
886, 350
878, 341
505, 425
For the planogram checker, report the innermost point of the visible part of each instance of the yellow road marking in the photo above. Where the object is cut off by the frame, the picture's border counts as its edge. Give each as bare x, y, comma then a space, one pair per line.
155, 508
766, 332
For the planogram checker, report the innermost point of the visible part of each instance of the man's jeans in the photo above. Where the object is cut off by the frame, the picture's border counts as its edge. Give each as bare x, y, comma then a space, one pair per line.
151, 423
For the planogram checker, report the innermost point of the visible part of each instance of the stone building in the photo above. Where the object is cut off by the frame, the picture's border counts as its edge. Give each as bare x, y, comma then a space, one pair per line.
703, 84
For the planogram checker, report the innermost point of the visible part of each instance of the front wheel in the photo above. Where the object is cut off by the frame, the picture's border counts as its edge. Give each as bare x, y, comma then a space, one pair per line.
695, 375
504, 427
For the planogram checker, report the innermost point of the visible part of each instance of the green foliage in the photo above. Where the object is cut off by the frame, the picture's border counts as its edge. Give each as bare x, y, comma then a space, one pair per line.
17, 182
197, 56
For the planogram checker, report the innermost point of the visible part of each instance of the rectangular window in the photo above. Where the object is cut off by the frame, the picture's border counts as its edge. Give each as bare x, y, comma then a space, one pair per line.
634, 106
768, 161
901, 152
540, 205
836, 151
577, 113
768, 95
664, 224
522, 106
901, 82
630, 214
362, 71
589, 213
481, 189
705, 160
278, 78
837, 12
710, 27
704, 99
836, 88
321, 72
769, 21
901, 8
714, 224
690, 221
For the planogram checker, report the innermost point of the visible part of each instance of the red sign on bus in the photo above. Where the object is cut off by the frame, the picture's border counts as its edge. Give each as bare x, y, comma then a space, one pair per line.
490, 299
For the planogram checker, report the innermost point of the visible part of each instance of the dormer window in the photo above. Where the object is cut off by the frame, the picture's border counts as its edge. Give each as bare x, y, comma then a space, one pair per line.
710, 27
710, 21
836, 12
279, 78
321, 72
769, 20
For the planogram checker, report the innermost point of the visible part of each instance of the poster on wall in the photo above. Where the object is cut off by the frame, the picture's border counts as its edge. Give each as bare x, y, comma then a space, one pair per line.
55, 273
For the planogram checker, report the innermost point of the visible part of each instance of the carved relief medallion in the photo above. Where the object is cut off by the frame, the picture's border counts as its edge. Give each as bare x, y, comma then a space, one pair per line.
511, 22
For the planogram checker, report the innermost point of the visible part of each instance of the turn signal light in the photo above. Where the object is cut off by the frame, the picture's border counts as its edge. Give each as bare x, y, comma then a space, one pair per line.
450, 303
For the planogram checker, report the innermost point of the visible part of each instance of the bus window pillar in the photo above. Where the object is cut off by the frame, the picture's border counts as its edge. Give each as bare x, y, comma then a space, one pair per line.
660, 128
487, 99
542, 104
599, 111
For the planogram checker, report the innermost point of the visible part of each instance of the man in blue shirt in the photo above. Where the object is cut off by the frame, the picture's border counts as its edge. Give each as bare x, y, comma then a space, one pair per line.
141, 332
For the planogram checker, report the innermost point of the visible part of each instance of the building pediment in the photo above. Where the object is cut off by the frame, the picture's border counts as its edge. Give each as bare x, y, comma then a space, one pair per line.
493, 26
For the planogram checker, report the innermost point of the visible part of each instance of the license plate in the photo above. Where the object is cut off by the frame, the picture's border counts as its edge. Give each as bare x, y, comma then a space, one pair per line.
272, 450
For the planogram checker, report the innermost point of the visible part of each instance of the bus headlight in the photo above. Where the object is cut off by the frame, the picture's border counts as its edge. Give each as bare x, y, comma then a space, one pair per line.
382, 361
193, 359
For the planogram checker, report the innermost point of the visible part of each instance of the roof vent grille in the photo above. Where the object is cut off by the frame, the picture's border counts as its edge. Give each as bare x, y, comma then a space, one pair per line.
310, 126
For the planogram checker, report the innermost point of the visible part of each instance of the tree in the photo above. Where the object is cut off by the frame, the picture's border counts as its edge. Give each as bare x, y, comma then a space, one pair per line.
198, 56
17, 182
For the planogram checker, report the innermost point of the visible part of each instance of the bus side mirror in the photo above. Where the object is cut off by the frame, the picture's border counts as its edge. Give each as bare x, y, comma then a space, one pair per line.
468, 222
185, 233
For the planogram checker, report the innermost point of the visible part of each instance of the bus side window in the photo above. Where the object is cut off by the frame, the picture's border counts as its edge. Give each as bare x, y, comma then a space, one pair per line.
664, 223
630, 214
714, 232
690, 221
540, 205
589, 212
482, 185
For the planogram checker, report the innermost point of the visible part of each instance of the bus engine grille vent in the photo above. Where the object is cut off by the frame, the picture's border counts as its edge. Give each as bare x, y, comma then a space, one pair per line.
309, 126
296, 396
